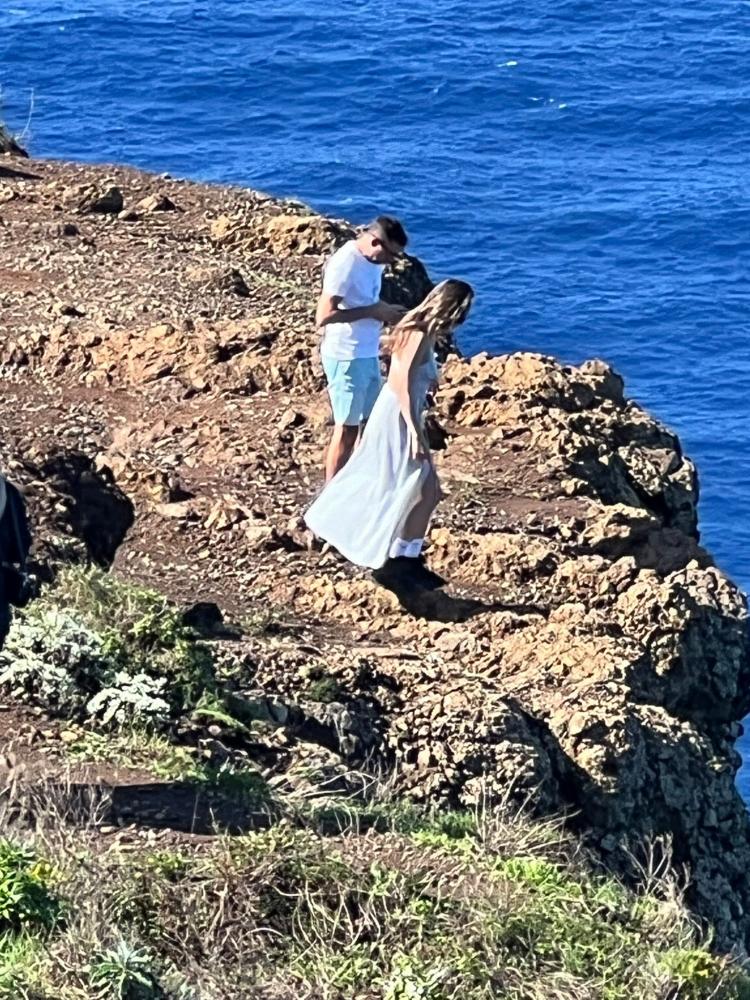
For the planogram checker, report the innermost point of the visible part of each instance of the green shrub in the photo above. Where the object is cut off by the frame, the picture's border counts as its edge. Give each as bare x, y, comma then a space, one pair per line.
538, 873
702, 974
127, 698
412, 979
451, 832
149, 636
325, 689
51, 657
20, 958
27, 897
170, 865
118, 652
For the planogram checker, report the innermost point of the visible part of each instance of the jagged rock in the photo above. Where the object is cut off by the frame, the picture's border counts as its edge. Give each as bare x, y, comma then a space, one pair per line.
9, 146
578, 419
221, 228
406, 282
156, 203
312, 234
233, 282
290, 418
108, 202
282, 234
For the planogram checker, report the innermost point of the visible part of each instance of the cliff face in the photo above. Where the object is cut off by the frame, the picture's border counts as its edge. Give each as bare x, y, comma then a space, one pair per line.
163, 408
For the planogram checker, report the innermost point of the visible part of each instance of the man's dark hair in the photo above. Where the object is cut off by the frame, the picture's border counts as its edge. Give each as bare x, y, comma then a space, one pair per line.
390, 229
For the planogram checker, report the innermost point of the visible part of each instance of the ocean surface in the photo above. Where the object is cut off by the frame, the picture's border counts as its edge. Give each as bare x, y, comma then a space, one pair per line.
584, 164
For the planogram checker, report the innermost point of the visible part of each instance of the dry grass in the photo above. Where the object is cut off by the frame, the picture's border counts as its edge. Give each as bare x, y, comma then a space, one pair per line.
364, 897
420, 906
342, 898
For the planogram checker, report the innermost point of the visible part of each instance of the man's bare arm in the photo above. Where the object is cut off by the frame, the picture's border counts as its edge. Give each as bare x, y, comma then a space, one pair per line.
329, 311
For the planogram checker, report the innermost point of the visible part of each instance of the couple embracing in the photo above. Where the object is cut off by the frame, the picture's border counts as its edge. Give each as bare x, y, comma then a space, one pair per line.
381, 485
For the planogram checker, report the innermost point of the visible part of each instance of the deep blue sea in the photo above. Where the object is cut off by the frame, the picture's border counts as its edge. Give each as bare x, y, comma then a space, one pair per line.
583, 163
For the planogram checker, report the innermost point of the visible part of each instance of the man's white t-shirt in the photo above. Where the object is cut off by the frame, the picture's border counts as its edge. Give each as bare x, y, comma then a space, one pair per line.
351, 275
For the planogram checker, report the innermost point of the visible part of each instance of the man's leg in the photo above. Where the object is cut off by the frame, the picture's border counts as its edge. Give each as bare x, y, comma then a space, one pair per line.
346, 394
339, 450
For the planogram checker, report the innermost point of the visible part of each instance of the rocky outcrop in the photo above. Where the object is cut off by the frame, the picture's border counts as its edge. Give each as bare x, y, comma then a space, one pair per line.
8, 144
586, 657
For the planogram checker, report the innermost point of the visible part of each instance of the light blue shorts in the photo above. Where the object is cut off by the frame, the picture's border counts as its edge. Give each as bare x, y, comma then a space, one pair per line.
353, 387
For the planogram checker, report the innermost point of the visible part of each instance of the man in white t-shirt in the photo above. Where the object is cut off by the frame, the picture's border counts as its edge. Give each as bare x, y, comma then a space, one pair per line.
351, 316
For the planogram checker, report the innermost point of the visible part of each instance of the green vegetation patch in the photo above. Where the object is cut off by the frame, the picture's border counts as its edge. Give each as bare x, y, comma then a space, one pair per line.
349, 900
27, 890
125, 973
286, 912
93, 645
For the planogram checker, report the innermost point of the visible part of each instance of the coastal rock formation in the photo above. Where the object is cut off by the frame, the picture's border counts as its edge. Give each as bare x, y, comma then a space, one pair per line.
9, 146
586, 657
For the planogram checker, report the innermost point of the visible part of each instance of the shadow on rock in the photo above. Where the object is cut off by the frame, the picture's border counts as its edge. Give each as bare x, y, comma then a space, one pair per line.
97, 511
437, 606
11, 173
183, 806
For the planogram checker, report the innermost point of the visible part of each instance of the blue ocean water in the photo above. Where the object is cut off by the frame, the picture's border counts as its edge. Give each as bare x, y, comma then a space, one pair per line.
584, 164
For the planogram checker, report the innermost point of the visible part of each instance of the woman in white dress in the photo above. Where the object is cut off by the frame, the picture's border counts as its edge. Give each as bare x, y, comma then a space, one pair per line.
376, 509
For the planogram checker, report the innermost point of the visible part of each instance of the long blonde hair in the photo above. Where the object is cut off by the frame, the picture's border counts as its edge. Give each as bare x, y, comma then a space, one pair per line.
439, 313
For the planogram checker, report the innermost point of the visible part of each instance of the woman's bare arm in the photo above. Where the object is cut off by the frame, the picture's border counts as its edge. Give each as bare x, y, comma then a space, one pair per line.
404, 362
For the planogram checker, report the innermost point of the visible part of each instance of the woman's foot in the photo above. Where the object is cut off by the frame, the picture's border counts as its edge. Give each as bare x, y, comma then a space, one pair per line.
408, 569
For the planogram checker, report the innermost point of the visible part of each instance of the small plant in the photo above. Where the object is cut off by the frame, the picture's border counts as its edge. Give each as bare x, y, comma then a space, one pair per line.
452, 832
52, 658
701, 974
27, 899
210, 708
170, 865
414, 980
129, 697
20, 955
536, 872
243, 784
124, 973
325, 689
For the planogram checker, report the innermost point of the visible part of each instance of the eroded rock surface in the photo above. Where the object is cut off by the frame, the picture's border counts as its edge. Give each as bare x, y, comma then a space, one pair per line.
586, 656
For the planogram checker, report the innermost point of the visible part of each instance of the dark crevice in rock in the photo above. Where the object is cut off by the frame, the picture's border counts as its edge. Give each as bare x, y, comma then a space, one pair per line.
97, 512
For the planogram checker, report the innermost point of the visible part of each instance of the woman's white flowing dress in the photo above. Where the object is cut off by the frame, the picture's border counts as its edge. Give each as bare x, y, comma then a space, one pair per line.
363, 508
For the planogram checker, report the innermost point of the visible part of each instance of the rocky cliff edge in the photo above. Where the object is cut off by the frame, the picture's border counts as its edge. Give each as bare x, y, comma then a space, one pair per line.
163, 409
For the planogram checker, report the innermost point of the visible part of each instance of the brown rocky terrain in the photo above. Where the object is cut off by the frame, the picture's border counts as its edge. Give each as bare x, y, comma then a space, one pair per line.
163, 410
